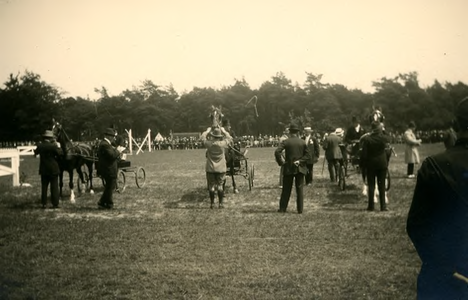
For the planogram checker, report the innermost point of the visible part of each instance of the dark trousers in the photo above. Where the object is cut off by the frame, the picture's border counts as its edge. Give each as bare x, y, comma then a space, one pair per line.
371, 176
287, 188
54, 189
309, 177
410, 169
333, 166
110, 184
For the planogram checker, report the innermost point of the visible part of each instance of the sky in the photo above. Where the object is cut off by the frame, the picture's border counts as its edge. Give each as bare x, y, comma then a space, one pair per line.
80, 45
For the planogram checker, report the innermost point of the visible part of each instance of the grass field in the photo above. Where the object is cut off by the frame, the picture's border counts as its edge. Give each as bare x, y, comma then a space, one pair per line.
163, 241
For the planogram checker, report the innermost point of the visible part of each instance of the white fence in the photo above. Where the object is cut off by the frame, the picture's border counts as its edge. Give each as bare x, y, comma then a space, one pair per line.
26, 150
13, 155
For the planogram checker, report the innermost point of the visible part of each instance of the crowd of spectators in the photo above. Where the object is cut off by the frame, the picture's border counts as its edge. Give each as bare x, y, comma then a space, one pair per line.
182, 143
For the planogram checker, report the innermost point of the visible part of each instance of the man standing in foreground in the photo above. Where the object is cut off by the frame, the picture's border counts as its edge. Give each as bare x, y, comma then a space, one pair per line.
437, 220
296, 157
108, 157
49, 152
375, 164
217, 144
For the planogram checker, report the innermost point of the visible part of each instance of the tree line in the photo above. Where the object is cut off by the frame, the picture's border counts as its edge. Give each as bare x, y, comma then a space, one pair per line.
28, 104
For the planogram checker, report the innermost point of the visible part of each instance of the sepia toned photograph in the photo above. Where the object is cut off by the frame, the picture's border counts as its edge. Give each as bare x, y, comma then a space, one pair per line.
257, 149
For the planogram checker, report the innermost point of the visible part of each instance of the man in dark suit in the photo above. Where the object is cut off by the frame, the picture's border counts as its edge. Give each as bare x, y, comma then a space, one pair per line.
296, 157
437, 220
375, 163
354, 132
314, 150
49, 152
333, 153
108, 157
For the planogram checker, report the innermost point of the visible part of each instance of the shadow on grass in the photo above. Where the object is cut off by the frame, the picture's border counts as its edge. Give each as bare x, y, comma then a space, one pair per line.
190, 200
350, 199
262, 210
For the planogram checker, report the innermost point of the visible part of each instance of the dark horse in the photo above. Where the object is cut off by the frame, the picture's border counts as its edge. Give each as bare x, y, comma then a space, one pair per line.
75, 155
233, 156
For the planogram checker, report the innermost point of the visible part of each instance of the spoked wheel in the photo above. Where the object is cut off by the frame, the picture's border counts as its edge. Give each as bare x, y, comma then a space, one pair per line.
250, 177
85, 182
120, 184
140, 177
252, 174
387, 181
342, 177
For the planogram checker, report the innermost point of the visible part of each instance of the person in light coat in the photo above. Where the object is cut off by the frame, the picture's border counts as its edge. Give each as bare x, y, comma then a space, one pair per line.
217, 141
411, 150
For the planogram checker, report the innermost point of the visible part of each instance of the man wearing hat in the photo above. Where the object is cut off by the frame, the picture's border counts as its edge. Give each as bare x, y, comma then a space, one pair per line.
353, 134
216, 141
333, 153
227, 126
314, 150
296, 155
108, 157
374, 162
437, 220
49, 152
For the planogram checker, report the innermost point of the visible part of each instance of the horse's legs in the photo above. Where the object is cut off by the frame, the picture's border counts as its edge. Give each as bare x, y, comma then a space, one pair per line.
236, 191
231, 172
90, 176
81, 180
60, 184
70, 184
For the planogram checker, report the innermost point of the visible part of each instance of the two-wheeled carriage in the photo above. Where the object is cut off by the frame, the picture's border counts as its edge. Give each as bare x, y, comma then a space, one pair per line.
237, 165
124, 167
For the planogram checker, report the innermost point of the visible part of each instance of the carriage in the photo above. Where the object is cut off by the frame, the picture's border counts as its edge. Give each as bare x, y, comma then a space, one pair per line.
82, 157
124, 167
237, 165
351, 164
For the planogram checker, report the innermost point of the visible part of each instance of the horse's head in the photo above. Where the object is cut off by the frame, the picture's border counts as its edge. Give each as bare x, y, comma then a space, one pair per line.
62, 137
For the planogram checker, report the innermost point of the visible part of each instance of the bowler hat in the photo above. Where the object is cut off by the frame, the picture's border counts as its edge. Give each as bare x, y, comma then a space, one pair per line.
293, 127
48, 134
109, 132
226, 123
216, 133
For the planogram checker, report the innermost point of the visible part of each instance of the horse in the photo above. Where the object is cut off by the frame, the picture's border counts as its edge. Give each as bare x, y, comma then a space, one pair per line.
75, 155
232, 162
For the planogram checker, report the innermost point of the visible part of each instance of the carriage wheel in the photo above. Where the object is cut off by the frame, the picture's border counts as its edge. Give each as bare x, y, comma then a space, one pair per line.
342, 177
120, 184
387, 181
253, 173
140, 177
249, 178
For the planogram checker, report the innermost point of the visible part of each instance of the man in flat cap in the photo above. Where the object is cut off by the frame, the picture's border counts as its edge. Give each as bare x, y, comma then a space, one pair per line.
49, 152
108, 157
438, 218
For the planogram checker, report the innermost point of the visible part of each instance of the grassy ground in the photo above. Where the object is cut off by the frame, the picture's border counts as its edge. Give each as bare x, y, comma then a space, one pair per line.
163, 241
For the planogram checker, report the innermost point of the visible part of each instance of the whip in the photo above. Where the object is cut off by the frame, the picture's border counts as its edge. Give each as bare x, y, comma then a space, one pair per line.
254, 104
